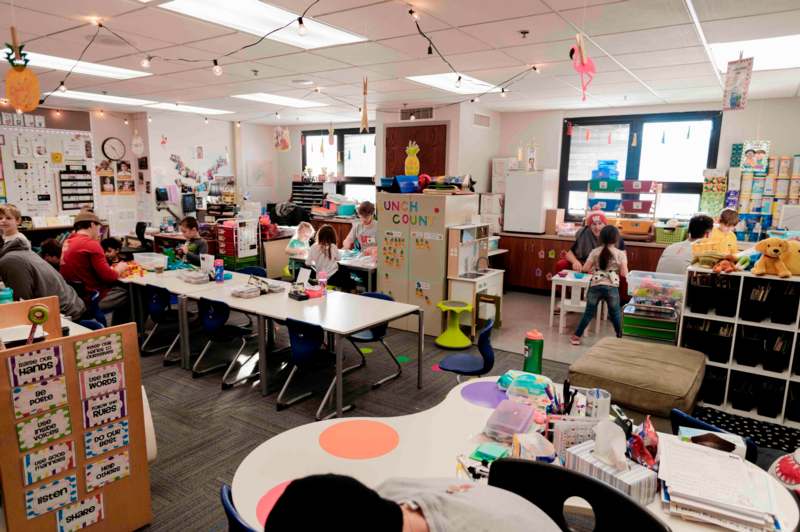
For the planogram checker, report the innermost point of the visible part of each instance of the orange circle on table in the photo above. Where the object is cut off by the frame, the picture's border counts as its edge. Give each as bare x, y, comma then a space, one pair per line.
359, 439
268, 500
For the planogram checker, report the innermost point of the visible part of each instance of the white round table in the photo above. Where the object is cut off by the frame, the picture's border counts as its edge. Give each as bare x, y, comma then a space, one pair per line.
429, 442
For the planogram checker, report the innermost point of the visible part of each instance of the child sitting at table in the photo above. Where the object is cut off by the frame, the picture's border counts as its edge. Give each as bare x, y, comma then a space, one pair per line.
606, 263
195, 245
722, 236
111, 248
324, 255
364, 234
300, 242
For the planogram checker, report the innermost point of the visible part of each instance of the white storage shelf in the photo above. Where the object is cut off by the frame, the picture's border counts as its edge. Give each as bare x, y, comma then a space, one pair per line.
731, 365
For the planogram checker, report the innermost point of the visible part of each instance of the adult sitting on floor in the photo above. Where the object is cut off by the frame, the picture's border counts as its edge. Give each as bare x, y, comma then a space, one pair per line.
83, 261
585, 241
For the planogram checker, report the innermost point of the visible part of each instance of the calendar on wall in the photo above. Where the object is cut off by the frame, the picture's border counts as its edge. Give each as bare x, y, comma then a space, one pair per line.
76, 188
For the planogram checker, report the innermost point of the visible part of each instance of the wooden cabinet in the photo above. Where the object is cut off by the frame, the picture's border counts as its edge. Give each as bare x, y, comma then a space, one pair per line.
531, 259
342, 228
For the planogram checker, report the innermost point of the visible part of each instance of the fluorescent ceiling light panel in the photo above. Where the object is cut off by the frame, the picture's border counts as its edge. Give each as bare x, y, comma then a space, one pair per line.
258, 18
188, 109
284, 101
449, 82
81, 67
94, 97
773, 53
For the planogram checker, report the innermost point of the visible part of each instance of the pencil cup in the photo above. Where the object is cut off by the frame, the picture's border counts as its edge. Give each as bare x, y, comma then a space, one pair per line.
598, 403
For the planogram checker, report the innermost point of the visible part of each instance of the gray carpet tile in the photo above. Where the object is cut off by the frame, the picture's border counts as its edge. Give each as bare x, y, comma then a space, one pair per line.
203, 432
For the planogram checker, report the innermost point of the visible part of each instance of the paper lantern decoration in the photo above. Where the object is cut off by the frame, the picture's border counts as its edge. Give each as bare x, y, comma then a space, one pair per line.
582, 64
364, 120
22, 84
412, 161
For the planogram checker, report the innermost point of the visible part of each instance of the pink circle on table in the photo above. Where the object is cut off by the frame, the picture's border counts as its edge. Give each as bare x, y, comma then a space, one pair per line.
436, 367
359, 439
485, 394
268, 500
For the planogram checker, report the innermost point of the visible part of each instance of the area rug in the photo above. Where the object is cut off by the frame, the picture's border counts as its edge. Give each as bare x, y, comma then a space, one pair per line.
762, 433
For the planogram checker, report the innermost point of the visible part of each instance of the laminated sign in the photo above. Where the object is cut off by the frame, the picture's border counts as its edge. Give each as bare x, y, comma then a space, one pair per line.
39, 396
108, 470
35, 366
102, 380
106, 438
51, 496
47, 462
98, 350
102, 409
81, 514
42, 429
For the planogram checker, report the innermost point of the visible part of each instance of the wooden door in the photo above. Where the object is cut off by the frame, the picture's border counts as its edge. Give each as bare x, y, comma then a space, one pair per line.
432, 141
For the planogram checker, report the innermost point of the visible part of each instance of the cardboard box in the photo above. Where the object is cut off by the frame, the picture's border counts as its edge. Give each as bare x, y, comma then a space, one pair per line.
491, 203
553, 217
495, 222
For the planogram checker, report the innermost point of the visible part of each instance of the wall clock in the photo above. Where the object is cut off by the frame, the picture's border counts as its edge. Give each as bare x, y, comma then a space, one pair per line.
113, 149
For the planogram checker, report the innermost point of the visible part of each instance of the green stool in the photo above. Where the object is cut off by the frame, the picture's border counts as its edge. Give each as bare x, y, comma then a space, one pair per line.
452, 337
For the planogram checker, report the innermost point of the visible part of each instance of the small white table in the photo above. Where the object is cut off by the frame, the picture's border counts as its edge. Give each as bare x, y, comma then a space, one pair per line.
429, 442
576, 302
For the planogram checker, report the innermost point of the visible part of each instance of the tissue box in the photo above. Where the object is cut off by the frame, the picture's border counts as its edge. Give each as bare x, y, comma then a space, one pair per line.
637, 482
686, 433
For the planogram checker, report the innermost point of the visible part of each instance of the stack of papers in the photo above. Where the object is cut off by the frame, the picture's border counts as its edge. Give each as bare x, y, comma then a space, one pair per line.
710, 486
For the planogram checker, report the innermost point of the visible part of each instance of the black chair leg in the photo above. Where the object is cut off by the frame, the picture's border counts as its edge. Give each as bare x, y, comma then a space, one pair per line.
396, 363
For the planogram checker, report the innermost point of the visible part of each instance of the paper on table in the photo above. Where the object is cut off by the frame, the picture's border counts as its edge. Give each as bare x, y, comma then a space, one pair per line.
303, 276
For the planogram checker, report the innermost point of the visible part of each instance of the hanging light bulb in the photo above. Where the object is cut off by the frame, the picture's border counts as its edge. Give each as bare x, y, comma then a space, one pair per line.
58, 112
277, 115
458, 82
536, 69
102, 113
205, 120
503, 92
412, 117
301, 28
216, 69
317, 89
125, 121
238, 124
413, 14
145, 62
19, 111
149, 119
62, 87
477, 99
430, 50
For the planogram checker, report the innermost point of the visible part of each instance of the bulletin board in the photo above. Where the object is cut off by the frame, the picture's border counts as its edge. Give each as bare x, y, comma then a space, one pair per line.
72, 441
32, 162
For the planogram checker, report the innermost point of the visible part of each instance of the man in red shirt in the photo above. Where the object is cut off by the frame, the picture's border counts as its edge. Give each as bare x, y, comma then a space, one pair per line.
83, 261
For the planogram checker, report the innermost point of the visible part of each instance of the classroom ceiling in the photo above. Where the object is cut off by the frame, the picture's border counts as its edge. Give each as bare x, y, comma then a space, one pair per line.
647, 52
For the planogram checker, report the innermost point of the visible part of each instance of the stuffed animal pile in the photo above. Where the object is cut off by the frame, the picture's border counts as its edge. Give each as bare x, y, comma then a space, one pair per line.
778, 257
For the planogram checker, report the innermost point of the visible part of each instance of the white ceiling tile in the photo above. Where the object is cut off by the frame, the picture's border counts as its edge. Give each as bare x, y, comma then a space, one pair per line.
392, 85
662, 72
716, 9
500, 75
546, 52
33, 22
629, 88
227, 43
463, 12
775, 83
630, 15
322, 8
564, 68
353, 75
203, 76
447, 41
304, 62
543, 28
249, 70
157, 23
702, 94
684, 82
365, 53
131, 87
165, 60
678, 56
381, 21
753, 27
432, 65
483, 60
83, 10
289, 82
649, 40
105, 46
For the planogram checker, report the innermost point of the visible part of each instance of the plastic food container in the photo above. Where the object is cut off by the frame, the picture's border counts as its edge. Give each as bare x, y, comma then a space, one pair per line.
509, 418
149, 261
346, 210
529, 390
315, 291
659, 289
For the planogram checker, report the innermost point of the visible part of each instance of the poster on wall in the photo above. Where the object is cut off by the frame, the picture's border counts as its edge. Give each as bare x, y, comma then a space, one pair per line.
756, 156
282, 141
737, 84
198, 152
125, 181
105, 178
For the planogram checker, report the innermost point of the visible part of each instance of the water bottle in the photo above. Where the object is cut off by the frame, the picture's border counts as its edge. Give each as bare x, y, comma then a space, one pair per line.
6, 295
219, 270
322, 279
534, 348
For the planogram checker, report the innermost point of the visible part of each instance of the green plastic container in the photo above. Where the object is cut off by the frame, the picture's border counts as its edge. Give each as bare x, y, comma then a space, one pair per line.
605, 185
534, 349
6, 295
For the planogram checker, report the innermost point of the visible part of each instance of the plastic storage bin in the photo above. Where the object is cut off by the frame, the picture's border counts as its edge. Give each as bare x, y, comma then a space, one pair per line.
509, 418
793, 403
637, 206
713, 338
660, 289
635, 186
604, 204
751, 342
756, 295
670, 235
712, 391
150, 261
605, 185
770, 397
742, 391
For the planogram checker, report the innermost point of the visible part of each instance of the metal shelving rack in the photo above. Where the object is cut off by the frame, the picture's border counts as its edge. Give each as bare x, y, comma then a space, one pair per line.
308, 194
786, 376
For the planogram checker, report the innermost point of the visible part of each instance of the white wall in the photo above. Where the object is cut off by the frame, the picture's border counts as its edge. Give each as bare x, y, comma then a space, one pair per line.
257, 163
774, 119
477, 145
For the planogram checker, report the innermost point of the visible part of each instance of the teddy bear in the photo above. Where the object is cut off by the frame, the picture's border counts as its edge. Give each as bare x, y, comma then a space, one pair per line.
773, 251
792, 258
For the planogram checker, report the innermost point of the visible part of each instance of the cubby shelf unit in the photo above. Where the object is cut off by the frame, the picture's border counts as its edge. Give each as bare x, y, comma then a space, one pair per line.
789, 377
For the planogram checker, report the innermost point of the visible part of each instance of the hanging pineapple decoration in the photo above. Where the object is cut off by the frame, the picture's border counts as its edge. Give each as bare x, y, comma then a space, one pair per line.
364, 120
412, 162
22, 85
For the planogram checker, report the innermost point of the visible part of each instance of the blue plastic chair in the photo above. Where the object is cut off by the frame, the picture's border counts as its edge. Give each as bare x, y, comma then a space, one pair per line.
258, 271
472, 365
213, 321
235, 521
93, 318
679, 418
158, 302
306, 347
373, 335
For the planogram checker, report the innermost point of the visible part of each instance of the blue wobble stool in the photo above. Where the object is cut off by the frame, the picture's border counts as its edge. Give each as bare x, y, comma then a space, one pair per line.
470, 364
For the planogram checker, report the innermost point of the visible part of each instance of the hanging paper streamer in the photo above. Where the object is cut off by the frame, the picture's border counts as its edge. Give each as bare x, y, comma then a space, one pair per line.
338, 156
634, 140
569, 129
364, 118
331, 140
321, 146
663, 137
364, 148
348, 155
519, 153
582, 64
609, 137
588, 134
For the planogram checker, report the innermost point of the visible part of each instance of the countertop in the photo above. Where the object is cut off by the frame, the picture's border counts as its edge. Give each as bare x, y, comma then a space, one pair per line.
492, 272
633, 243
337, 219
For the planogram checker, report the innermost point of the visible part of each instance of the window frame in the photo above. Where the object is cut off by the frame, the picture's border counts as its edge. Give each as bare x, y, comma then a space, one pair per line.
339, 134
635, 124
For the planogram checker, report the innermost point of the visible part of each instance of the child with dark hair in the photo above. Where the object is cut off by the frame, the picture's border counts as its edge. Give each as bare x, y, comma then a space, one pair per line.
324, 255
606, 263
51, 252
111, 247
195, 244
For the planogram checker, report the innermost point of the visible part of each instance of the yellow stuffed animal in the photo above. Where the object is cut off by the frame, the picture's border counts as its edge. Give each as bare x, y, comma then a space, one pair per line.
773, 252
792, 259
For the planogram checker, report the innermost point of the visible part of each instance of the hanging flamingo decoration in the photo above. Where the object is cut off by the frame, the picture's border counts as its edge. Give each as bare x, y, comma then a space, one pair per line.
582, 64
